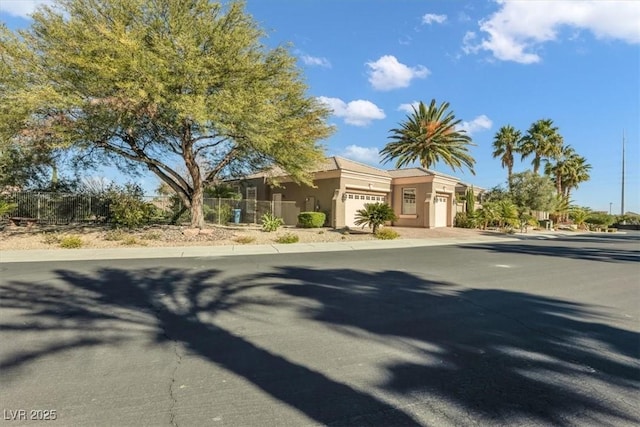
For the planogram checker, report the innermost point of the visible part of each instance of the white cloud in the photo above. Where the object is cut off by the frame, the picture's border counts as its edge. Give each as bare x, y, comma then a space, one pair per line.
21, 8
408, 108
315, 61
356, 113
430, 18
509, 37
369, 155
387, 73
478, 124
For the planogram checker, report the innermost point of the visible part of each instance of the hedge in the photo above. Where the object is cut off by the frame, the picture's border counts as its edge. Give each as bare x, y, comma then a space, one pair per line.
311, 219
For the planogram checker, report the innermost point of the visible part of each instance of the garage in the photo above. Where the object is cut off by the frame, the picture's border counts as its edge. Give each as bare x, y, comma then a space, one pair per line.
441, 204
353, 202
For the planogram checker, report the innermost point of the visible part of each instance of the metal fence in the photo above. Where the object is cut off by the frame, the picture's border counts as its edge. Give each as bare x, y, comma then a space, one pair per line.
56, 208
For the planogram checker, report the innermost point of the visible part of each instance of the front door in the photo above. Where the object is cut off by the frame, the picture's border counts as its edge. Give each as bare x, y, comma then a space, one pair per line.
442, 203
310, 204
277, 204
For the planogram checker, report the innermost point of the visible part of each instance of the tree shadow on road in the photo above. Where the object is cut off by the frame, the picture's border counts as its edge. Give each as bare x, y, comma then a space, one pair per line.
598, 253
172, 302
500, 356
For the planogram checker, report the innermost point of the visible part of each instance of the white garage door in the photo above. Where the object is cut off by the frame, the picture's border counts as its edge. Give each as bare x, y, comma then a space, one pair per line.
354, 202
441, 211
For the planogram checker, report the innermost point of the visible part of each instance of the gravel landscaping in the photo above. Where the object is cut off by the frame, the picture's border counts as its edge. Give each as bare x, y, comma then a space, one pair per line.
51, 237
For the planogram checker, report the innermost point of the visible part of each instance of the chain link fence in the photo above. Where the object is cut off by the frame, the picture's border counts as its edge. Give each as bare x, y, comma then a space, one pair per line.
56, 208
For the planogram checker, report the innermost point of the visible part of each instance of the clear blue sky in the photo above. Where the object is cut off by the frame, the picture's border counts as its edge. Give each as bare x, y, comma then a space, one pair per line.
495, 62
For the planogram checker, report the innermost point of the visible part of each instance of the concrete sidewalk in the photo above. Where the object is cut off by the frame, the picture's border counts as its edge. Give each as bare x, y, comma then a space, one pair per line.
231, 250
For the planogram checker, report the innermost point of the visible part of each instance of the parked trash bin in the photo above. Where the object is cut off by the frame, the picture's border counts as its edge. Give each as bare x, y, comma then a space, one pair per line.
236, 216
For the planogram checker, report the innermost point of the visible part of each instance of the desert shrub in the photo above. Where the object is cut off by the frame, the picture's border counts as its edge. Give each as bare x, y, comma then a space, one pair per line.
374, 215
311, 219
288, 238
628, 218
131, 241
51, 239
270, 222
71, 242
114, 235
387, 234
244, 239
463, 220
152, 235
218, 214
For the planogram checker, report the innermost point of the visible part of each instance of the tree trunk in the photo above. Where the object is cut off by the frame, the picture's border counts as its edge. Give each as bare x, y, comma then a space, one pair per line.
197, 207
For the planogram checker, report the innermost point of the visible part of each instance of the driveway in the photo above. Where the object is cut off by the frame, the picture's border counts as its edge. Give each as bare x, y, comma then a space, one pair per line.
530, 332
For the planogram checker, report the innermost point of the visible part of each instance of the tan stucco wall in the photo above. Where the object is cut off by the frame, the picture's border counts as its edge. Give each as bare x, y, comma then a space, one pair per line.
427, 187
301, 194
351, 182
331, 186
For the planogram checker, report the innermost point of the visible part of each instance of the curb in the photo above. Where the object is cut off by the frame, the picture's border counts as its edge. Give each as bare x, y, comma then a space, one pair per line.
43, 255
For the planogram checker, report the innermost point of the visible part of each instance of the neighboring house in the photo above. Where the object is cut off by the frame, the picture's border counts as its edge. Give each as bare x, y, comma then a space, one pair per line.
419, 197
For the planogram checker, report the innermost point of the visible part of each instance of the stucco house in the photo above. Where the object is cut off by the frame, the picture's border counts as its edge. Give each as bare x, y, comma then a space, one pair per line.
419, 197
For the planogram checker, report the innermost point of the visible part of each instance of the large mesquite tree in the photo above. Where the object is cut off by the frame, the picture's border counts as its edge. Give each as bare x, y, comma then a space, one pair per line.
170, 85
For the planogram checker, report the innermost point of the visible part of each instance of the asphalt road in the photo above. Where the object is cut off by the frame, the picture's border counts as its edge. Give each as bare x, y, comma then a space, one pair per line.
532, 332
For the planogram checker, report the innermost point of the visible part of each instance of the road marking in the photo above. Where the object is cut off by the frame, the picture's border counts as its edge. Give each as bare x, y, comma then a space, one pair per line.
502, 266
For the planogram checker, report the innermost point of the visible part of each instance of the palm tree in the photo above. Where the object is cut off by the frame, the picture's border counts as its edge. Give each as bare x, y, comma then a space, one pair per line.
430, 135
505, 143
374, 215
543, 141
579, 217
577, 172
559, 169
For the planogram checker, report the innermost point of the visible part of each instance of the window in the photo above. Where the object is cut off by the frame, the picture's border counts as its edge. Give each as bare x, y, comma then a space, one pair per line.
408, 201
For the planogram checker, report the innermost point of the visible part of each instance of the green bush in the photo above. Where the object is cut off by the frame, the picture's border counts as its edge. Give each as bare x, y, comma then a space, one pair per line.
71, 242
288, 238
127, 207
374, 215
311, 219
270, 222
387, 234
599, 220
6, 207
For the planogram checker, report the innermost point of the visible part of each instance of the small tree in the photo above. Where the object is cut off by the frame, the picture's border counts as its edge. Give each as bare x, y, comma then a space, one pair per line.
374, 215
470, 200
161, 86
532, 192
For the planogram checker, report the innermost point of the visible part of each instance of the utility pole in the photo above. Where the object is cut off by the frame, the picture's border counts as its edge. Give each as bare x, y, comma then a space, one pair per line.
622, 199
